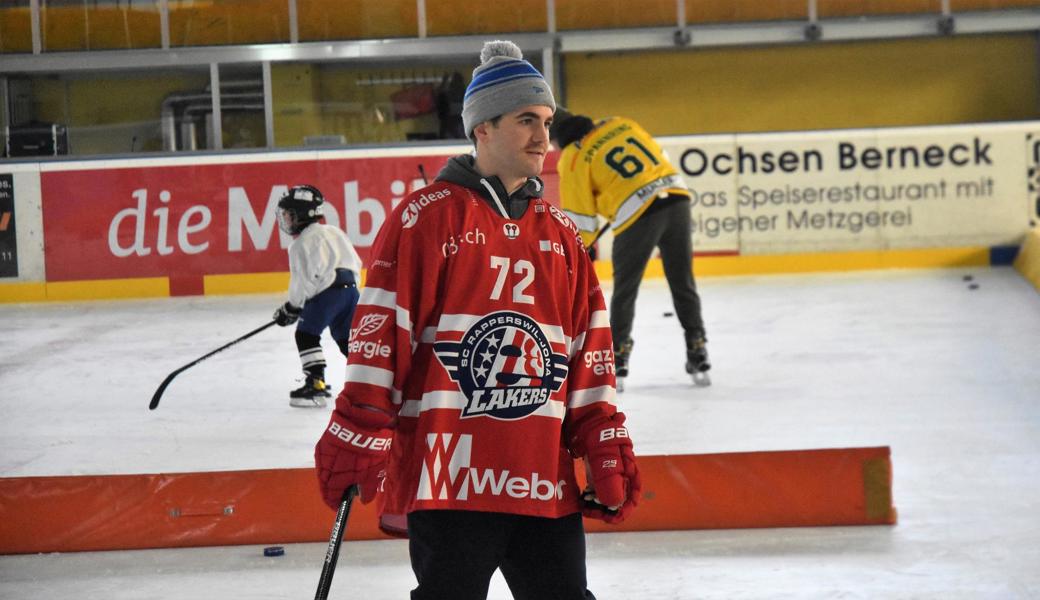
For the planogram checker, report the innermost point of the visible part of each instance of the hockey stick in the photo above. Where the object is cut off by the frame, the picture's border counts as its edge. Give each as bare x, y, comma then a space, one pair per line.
599, 234
162, 386
335, 539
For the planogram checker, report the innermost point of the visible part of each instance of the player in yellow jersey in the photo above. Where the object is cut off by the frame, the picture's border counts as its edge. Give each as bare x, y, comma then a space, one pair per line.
614, 169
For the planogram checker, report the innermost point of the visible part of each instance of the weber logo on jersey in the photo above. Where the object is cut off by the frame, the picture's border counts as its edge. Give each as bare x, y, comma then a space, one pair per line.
447, 473
504, 366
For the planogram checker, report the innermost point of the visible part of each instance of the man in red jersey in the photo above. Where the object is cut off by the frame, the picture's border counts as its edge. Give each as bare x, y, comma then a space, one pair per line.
481, 366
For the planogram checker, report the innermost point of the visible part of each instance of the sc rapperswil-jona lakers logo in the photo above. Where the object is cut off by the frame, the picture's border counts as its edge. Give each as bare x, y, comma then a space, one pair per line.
504, 366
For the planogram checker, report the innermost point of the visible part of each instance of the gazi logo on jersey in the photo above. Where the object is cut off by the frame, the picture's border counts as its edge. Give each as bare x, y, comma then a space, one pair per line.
599, 361
447, 474
504, 366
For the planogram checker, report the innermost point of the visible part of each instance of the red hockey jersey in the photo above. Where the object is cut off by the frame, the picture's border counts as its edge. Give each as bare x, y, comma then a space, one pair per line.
488, 338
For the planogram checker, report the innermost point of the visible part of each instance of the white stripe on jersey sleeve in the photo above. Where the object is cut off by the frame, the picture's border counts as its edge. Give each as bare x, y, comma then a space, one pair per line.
598, 319
432, 400
370, 375
579, 398
552, 408
372, 296
586, 223
575, 347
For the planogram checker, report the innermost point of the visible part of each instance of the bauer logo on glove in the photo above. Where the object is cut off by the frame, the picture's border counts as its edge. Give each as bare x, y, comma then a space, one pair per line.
613, 476
376, 444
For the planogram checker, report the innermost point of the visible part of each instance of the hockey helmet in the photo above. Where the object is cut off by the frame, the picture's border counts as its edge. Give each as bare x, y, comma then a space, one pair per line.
299, 207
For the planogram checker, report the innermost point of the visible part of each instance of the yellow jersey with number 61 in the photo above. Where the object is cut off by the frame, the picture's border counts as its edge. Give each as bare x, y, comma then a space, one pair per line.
615, 171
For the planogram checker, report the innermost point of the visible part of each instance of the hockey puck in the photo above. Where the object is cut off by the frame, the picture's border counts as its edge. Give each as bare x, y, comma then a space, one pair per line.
973, 286
274, 551
968, 277
669, 314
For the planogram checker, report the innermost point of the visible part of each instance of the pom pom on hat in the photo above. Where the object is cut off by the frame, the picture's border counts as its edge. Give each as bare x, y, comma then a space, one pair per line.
502, 83
500, 48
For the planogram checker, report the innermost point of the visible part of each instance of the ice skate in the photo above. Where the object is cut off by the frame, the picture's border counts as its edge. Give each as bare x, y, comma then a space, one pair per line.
621, 354
311, 394
697, 363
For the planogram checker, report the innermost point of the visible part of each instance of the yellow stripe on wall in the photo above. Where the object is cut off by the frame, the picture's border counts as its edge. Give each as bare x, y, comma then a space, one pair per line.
251, 283
245, 283
109, 289
704, 266
767, 264
96, 289
23, 292
773, 264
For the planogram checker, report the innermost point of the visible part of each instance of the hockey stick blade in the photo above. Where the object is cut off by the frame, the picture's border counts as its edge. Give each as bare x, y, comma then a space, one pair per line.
599, 234
166, 382
335, 540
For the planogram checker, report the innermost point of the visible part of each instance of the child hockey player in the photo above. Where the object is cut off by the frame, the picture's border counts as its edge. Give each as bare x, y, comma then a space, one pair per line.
324, 270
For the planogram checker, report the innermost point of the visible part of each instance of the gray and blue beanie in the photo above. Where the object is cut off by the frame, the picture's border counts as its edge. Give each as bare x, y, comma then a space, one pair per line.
502, 83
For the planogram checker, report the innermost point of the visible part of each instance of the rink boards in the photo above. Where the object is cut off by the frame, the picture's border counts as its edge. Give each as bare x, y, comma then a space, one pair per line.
793, 488
145, 227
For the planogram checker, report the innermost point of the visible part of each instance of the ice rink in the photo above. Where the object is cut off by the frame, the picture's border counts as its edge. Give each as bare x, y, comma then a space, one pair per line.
945, 375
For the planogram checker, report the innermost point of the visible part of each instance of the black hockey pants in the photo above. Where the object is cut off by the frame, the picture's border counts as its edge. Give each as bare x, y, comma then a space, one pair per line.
665, 225
454, 553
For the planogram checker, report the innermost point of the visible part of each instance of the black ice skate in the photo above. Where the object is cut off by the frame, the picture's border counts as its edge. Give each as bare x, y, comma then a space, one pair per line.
697, 363
621, 354
311, 394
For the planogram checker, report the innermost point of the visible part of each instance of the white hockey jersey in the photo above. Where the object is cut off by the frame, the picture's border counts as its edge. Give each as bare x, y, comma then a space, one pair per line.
314, 256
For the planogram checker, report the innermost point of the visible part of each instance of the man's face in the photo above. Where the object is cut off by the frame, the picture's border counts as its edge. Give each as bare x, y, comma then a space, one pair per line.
516, 146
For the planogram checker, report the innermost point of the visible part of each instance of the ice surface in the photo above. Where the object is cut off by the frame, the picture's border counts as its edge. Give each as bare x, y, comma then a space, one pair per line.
945, 375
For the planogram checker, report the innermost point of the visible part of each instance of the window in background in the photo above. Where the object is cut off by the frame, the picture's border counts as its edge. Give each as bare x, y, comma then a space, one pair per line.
451, 17
224, 22
68, 25
829, 9
241, 107
734, 11
960, 5
614, 14
321, 20
112, 112
15, 26
329, 104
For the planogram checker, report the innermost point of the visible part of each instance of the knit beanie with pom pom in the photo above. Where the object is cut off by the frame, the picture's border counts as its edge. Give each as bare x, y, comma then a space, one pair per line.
502, 83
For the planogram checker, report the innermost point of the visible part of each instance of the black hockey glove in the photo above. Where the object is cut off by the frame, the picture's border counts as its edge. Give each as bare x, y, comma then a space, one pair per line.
287, 314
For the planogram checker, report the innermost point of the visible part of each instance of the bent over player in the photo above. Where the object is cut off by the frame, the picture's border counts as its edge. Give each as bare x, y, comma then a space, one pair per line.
616, 170
323, 272
484, 306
